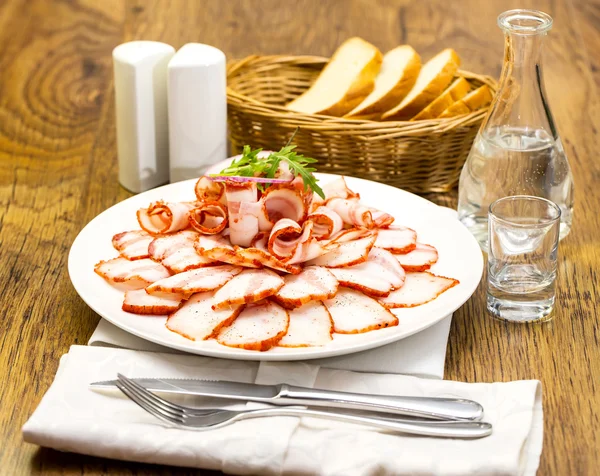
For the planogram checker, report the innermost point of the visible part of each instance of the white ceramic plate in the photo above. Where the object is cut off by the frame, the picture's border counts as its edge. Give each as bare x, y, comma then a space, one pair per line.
459, 257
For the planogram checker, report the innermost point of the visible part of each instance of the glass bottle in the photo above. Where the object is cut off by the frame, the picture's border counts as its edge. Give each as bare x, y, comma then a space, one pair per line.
517, 150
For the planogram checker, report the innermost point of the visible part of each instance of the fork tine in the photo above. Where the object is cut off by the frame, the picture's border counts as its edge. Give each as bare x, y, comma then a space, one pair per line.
165, 404
143, 395
171, 407
145, 406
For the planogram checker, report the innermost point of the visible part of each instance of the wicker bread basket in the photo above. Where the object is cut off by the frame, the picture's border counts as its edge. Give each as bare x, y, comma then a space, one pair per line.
419, 156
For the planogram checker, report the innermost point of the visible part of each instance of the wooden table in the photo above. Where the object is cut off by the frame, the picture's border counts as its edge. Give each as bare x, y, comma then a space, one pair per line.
58, 169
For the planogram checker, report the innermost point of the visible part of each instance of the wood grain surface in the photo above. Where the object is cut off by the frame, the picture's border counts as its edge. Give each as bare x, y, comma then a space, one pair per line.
58, 169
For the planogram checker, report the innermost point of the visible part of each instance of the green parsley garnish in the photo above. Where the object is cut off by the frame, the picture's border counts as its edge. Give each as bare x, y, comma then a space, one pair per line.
250, 165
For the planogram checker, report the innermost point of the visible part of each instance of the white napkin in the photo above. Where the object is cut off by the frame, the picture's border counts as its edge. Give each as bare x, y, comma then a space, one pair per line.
422, 354
71, 417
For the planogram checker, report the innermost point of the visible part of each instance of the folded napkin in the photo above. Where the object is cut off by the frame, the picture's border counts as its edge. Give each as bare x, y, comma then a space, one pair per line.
72, 417
422, 354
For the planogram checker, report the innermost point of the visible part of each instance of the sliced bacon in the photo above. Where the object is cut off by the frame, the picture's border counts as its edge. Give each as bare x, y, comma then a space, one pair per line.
218, 248
347, 254
314, 283
397, 239
258, 258
335, 189
258, 327
140, 302
138, 273
209, 191
209, 218
381, 219
177, 253
195, 280
160, 217
419, 259
326, 223
352, 212
243, 223
419, 288
285, 201
310, 325
353, 312
350, 234
250, 285
196, 320
377, 276
285, 236
132, 244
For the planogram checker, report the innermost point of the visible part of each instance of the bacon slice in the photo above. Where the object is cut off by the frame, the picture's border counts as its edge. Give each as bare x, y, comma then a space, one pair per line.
310, 325
241, 204
195, 280
138, 273
353, 312
177, 253
285, 201
314, 283
209, 218
419, 259
335, 189
140, 302
258, 327
196, 320
210, 191
250, 285
294, 244
381, 219
352, 212
326, 223
218, 248
347, 254
419, 288
161, 217
379, 275
397, 239
132, 244
351, 234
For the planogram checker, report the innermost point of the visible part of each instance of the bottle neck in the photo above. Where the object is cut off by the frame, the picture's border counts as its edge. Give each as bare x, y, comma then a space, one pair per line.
520, 99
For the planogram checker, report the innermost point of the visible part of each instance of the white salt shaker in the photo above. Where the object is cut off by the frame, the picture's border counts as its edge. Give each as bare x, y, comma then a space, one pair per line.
197, 110
140, 75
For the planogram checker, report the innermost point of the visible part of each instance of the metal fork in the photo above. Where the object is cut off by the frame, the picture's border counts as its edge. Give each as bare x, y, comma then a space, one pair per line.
187, 418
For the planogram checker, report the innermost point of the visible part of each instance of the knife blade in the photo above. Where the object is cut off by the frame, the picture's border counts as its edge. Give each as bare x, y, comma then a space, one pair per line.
283, 394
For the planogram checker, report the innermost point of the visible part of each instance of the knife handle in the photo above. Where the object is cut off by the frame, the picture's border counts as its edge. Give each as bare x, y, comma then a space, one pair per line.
423, 407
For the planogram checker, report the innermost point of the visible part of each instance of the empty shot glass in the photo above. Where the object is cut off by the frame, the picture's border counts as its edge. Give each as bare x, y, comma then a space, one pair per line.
522, 258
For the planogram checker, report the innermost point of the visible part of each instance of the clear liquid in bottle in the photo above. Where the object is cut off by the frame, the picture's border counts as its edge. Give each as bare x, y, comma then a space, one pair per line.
517, 150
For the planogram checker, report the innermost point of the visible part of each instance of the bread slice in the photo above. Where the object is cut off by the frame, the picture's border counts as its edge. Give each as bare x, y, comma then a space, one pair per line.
348, 78
434, 77
399, 71
477, 99
457, 90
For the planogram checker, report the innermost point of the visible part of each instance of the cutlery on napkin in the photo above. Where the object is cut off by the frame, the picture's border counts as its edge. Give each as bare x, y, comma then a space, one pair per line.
73, 418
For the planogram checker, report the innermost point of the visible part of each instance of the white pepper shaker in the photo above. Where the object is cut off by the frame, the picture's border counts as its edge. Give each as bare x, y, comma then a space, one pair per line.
140, 76
197, 90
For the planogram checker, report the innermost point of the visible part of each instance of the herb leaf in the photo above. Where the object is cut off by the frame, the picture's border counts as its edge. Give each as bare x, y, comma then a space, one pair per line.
250, 165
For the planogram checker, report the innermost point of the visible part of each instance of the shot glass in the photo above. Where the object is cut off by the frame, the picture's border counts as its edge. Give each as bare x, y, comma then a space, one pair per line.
522, 258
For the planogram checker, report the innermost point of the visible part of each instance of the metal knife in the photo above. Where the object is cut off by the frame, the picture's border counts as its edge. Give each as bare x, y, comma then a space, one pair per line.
283, 394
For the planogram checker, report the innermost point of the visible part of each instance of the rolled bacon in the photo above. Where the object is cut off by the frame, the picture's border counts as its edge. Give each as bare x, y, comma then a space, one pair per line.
209, 191
326, 223
243, 222
209, 218
161, 217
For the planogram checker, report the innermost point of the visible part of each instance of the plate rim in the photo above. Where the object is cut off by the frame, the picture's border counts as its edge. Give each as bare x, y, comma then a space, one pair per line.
294, 354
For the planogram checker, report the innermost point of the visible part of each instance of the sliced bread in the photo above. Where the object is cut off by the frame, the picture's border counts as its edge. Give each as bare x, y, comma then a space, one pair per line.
457, 90
434, 77
477, 99
345, 82
399, 71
